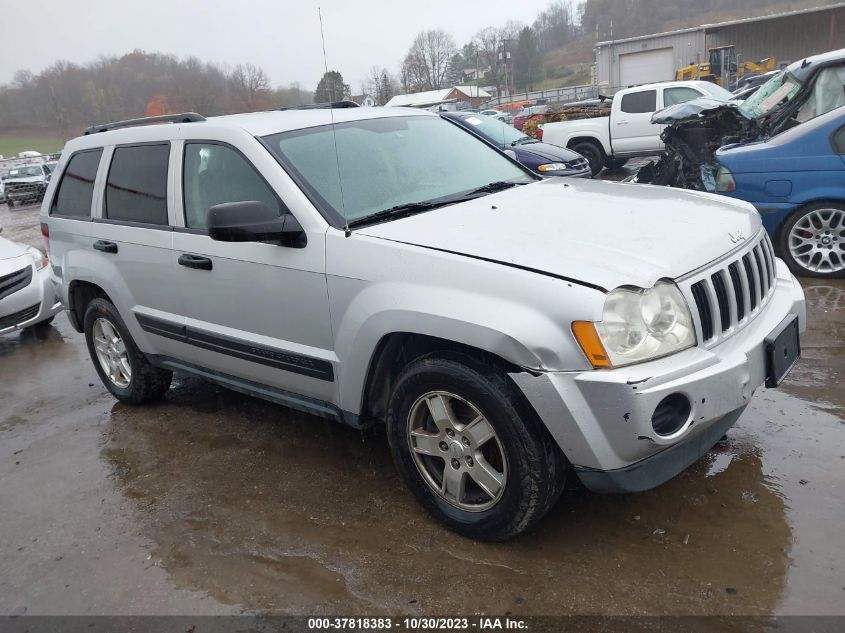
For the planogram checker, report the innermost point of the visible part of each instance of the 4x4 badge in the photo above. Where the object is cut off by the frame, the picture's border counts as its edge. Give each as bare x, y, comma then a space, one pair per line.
737, 236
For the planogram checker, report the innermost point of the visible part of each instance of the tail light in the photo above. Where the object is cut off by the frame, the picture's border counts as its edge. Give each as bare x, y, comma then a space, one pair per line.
725, 180
539, 132
45, 233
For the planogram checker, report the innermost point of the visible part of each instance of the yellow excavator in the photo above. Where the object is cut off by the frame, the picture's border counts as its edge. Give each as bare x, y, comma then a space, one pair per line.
723, 68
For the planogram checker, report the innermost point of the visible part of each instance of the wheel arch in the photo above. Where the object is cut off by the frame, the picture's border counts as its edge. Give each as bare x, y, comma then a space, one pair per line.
80, 294
396, 350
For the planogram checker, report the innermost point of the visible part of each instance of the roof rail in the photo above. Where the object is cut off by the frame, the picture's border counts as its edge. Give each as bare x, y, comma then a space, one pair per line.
329, 105
185, 117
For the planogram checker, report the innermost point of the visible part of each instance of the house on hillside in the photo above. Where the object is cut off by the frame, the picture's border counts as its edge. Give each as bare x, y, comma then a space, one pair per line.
366, 101
455, 98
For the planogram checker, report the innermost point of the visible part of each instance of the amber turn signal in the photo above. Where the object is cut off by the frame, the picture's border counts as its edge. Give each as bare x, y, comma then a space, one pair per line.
587, 337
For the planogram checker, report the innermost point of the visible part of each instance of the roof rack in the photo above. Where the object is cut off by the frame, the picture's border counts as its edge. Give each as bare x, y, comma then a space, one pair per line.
185, 117
329, 105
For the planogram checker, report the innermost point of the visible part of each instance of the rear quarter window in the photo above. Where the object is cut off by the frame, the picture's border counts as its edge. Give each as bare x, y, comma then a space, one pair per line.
76, 189
136, 188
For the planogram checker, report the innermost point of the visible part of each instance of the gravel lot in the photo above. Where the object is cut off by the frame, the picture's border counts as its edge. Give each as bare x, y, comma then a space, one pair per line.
213, 502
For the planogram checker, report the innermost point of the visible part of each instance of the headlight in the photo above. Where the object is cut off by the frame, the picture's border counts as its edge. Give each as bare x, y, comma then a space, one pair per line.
637, 325
38, 257
552, 167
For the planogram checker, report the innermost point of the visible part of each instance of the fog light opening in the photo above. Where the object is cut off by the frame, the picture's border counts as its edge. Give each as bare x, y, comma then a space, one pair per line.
671, 414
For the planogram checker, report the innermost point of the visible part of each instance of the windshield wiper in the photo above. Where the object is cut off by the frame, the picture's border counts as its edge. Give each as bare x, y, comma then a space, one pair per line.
493, 187
399, 211
524, 141
410, 208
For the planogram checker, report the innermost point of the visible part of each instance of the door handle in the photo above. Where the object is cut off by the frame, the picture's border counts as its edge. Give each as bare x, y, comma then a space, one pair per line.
106, 247
195, 261
621, 123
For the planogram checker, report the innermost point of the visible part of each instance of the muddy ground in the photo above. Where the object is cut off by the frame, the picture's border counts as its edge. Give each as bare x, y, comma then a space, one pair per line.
214, 502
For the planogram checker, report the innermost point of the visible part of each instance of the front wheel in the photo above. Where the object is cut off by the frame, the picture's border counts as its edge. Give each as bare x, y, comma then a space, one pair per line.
122, 367
471, 450
812, 241
593, 153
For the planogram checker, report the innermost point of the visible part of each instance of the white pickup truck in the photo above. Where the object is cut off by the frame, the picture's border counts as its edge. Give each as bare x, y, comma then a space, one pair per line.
628, 131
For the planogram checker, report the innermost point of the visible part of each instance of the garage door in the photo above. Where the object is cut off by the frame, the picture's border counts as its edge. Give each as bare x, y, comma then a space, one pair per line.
646, 67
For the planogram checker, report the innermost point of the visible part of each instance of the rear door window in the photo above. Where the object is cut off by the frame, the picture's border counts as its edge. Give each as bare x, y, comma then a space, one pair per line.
136, 188
639, 102
76, 189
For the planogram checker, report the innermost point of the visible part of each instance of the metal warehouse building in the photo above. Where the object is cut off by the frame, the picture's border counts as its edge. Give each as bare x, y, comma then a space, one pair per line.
785, 36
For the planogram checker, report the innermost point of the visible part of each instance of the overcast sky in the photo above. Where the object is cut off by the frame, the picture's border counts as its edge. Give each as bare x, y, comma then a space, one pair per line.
281, 36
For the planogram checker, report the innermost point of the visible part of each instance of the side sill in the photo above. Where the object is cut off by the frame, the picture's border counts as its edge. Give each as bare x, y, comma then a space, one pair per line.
305, 404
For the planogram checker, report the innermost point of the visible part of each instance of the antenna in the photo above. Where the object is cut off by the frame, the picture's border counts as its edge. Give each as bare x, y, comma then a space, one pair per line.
346, 229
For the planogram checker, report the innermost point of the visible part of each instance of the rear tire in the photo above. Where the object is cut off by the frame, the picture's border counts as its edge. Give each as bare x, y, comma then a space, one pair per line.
509, 471
593, 153
812, 241
123, 368
614, 163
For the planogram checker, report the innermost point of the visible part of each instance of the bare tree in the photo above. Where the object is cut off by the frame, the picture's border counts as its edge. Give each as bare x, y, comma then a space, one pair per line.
251, 87
427, 62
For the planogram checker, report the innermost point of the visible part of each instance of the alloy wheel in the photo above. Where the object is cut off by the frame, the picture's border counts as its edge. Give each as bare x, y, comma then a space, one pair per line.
111, 353
457, 451
817, 241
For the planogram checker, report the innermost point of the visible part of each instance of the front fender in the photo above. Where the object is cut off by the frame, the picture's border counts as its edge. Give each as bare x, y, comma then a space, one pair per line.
520, 316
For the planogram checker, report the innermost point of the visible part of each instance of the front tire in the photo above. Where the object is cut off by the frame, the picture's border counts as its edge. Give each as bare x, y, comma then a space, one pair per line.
122, 367
812, 241
471, 449
593, 153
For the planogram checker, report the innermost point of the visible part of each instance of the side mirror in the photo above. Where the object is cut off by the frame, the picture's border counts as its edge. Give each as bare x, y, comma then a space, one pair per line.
511, 153
253, 221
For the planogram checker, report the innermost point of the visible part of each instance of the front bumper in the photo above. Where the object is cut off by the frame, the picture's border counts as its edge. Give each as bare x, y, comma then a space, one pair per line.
30, 305
602, 419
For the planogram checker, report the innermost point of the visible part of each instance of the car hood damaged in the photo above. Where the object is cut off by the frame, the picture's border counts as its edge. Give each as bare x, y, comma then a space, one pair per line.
694, 131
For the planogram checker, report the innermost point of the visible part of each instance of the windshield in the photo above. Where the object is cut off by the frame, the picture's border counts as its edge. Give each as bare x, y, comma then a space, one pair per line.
779, 89
388, 162
495, 129
25, 172
717, 91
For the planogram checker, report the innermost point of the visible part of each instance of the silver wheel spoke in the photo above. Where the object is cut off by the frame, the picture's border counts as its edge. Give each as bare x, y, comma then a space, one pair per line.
108, 330
441, 413
486, 476
111, 353
454, 483
426, 443
479, 431
101, 345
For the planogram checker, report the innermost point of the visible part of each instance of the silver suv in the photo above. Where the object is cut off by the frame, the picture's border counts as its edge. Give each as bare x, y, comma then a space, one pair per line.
383, 265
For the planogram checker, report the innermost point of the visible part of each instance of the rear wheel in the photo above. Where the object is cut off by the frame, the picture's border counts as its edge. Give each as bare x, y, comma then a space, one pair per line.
122, 367
812, 241
471, 450
593, 153
615, 163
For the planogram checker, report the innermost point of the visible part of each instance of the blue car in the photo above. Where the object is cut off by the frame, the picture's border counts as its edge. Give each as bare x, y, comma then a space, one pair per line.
539, 157
796, 180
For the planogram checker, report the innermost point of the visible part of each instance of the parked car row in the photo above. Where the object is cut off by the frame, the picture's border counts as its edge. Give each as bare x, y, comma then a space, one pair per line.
781, 149
26, 184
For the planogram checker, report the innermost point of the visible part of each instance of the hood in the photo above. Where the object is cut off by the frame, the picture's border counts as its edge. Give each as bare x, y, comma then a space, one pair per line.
546, 152
8, 249
602, 234
696, 108
24, 180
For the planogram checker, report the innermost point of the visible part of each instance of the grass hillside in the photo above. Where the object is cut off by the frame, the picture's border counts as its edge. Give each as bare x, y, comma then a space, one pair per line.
11, 143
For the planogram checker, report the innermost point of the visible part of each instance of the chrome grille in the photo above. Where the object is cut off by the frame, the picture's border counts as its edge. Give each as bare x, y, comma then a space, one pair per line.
15, 281
578, 164
724, 298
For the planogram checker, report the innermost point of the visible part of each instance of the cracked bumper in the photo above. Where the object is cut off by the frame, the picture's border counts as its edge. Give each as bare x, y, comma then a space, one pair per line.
602, 419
